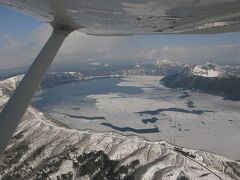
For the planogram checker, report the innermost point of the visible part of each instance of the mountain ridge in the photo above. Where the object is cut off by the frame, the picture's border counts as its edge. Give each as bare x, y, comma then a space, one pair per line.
218, 83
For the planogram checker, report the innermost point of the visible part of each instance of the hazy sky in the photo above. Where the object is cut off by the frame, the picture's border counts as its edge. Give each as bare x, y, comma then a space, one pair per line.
22, 37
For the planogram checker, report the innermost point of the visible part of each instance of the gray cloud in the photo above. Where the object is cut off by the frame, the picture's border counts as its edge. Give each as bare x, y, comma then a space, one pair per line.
198, 54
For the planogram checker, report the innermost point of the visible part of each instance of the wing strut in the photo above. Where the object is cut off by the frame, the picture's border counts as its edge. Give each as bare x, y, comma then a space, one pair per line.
18, 102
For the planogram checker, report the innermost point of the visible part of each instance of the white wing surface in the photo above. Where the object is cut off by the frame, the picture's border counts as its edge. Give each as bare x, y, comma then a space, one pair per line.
126, 17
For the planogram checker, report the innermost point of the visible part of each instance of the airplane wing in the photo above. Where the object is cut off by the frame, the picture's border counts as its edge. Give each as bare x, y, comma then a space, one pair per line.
127, 17
109, 18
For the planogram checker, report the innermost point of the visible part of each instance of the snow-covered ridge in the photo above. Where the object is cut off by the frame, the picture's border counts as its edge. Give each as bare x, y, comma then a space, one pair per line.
208, 70
50, 79
62, 76
71, 74
7, 86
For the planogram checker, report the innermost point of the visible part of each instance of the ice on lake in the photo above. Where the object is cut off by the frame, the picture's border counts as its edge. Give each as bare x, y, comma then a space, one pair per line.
141, 105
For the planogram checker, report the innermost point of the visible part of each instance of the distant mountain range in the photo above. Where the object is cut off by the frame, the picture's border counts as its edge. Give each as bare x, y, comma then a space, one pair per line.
209, 78
43, 148
167, 67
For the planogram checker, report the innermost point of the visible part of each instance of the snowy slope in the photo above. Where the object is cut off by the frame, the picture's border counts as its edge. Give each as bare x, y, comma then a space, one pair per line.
43, 148
49, 80
208, 70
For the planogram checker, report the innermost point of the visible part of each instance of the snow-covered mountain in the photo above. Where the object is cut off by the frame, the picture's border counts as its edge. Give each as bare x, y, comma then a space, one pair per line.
166, 67
7, 86
43, 148
208, 70
208, 78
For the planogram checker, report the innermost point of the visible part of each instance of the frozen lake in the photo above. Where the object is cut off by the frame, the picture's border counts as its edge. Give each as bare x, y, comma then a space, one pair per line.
140, 105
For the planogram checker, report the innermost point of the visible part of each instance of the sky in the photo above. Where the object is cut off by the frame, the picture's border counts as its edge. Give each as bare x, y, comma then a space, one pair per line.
22, 37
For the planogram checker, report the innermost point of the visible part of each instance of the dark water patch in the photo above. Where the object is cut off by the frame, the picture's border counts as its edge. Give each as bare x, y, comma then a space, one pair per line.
75, 108
81, 117
205, 174
125, 129
158, 111
190, 104
185, 95
231, 121
164, 97
179, 129
150, 120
